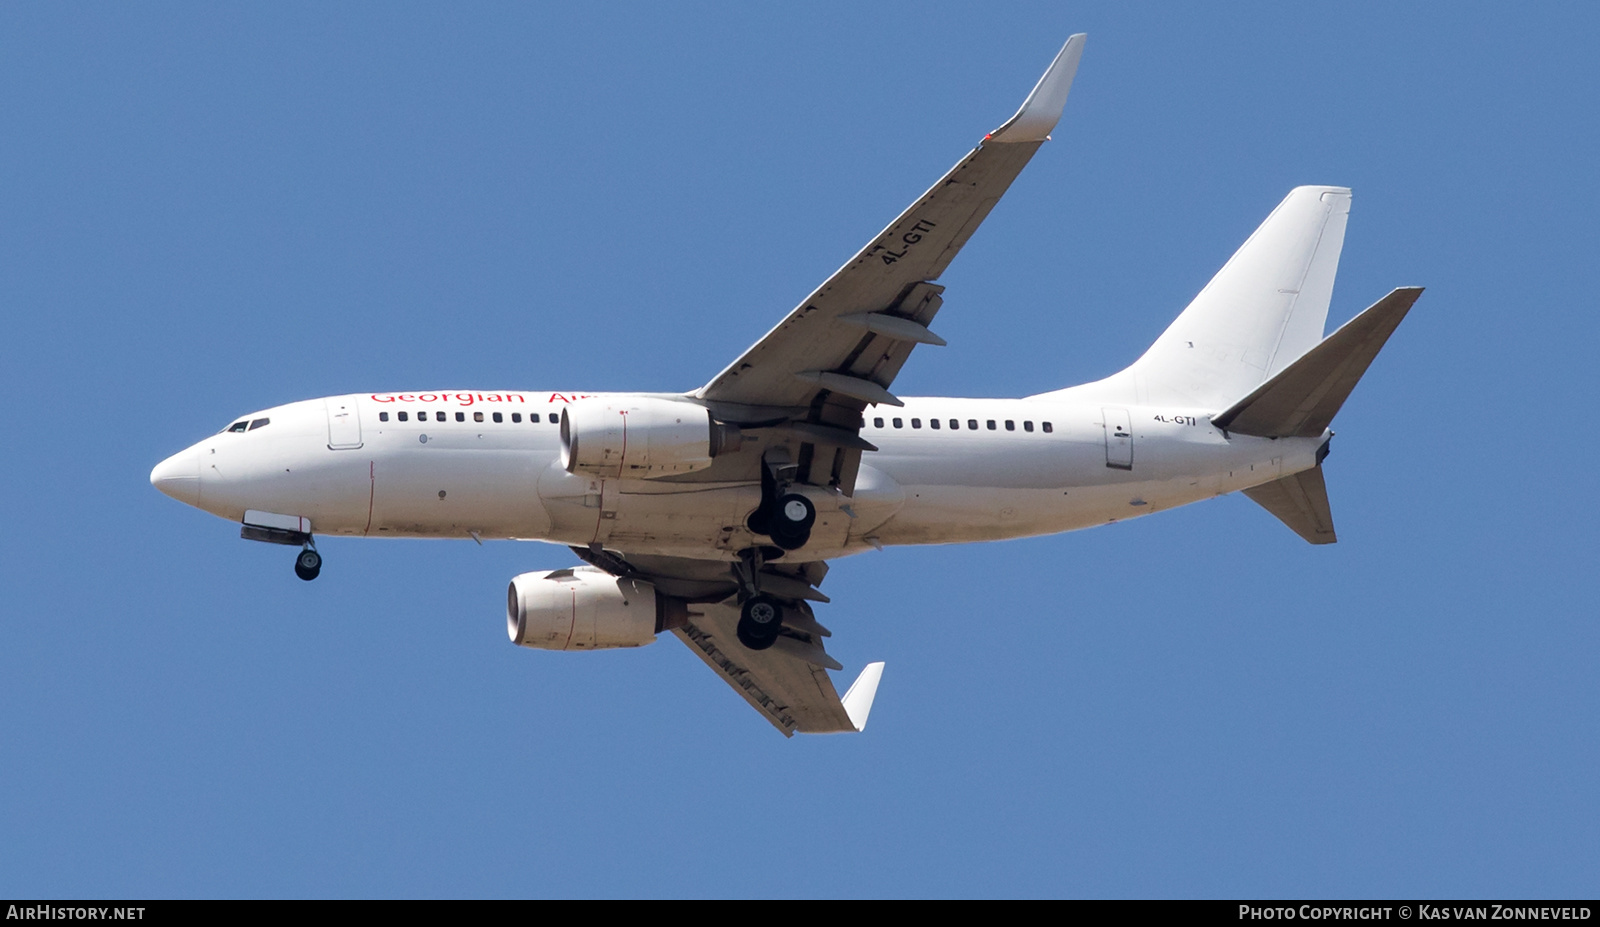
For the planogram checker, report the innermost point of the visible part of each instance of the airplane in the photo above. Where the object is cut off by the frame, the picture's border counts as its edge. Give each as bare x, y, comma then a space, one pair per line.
712, 513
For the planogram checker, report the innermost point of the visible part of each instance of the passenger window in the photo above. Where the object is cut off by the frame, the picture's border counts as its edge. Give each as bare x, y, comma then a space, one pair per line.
383, 416
991, 424
516, 418
237, 427
554, 418
1027, 426
877, 423
477, 416
461, 416
499, 418
972, 423
933, 423
1047, 428
955, 423
402, 416
916, 423
1010, 425
899, 423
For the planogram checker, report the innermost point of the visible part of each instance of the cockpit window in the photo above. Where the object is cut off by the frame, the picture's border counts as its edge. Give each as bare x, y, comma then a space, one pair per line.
237, 426
260, 423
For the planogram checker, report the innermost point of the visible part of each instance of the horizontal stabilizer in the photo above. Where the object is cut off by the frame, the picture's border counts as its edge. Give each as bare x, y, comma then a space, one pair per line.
1301, 502
1302, 399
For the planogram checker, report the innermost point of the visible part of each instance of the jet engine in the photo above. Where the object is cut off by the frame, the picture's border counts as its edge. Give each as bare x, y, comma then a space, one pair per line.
587, 609
641, 437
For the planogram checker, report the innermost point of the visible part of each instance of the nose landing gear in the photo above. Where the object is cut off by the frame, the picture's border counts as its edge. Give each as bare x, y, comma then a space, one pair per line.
308, 564
288, 530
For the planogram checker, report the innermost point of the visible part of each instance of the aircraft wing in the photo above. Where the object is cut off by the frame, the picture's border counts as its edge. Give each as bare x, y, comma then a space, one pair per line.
840, 349
787, 683
812, 376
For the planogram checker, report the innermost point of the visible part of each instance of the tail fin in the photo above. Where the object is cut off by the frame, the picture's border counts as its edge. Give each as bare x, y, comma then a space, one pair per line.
1264, 308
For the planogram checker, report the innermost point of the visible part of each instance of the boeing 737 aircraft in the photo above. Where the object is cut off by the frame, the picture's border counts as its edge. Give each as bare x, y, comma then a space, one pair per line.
712, 513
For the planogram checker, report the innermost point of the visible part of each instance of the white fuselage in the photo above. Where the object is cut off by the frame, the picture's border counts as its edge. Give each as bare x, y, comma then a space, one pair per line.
992, 469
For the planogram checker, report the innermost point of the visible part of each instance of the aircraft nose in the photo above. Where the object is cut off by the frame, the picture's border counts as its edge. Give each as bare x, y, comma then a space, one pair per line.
179, 476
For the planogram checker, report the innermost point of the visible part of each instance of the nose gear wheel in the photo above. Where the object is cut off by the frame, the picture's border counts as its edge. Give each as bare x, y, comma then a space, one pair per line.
308, 564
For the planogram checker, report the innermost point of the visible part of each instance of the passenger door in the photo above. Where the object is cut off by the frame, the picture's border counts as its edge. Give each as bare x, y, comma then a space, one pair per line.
344, 424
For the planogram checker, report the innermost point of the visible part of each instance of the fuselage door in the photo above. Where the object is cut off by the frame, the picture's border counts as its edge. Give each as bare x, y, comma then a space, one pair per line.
1119, 439
344, 426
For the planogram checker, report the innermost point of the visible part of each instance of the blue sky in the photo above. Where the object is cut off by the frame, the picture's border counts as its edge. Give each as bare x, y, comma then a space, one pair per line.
208, 209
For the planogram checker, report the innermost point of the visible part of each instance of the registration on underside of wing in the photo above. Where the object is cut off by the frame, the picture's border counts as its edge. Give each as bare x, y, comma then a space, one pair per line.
830, 346
787, 683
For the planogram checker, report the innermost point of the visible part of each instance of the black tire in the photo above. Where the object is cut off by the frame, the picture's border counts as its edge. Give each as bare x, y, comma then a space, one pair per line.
795, 513
789, 541
308, 565
789, 521
759, 622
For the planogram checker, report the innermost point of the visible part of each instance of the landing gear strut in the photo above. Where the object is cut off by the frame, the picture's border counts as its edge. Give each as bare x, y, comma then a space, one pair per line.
308, 564
760, 616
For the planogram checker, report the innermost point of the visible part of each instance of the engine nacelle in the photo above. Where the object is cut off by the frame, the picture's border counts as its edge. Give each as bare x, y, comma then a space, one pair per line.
640, 437
587, 609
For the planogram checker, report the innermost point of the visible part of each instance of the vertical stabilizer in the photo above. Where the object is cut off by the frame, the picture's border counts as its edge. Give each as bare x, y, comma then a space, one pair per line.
1267, 306
1264, 308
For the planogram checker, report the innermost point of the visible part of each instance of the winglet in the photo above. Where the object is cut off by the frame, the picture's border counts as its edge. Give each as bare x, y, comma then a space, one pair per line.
858, 701
1042, 109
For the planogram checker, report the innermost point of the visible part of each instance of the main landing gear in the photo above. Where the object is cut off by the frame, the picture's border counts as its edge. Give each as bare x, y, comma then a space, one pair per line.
308, 564
760, 620
760, 616
784, 516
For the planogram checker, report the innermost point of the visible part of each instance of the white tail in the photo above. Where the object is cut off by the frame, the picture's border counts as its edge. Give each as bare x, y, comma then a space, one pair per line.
1267, 306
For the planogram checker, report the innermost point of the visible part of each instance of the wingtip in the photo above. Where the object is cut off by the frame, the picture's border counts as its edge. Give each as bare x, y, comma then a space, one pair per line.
1400, 299
858, 701
1042, 109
